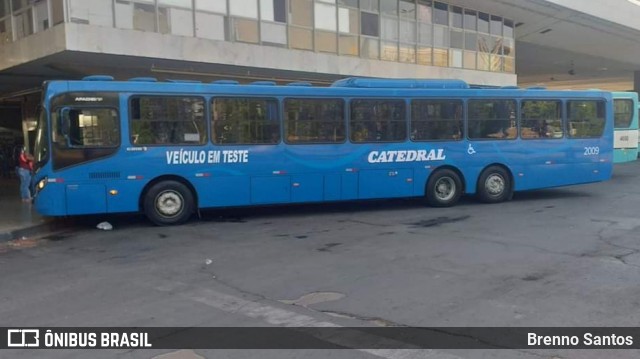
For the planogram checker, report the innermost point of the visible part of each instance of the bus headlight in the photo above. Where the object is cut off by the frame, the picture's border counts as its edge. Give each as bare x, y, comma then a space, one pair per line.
41, 184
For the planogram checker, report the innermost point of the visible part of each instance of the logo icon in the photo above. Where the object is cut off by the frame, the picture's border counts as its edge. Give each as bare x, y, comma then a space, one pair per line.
23, 338
471, 150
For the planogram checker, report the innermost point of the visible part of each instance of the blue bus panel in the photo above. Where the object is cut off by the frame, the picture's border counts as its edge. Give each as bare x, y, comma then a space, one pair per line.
169, 148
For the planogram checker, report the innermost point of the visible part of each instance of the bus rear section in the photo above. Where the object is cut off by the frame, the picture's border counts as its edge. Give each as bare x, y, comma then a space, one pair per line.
625, 141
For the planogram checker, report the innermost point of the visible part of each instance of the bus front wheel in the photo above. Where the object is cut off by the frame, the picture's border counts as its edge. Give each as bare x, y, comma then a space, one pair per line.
494, 185
444, 188
168, 202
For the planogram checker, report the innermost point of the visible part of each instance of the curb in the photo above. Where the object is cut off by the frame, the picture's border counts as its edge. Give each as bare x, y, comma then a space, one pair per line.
35, 230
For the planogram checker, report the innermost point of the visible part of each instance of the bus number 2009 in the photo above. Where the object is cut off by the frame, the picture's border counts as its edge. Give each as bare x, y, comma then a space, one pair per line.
591, 151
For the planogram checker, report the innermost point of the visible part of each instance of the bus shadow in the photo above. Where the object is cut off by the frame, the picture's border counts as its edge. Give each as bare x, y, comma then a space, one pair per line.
548, 194
245, 214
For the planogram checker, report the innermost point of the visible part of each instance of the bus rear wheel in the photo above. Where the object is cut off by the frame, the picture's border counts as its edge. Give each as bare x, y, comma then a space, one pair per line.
494, 185
444, 188
168, 203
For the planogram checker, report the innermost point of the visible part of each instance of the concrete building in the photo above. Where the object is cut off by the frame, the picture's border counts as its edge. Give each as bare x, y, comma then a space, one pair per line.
560, 43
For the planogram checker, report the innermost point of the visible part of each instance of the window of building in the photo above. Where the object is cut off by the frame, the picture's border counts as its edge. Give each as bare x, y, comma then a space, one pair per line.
389, 8
436, 120
483, 22
440, 13
369, 48
314, 121
586, 119
136, 15
470, 20
41, 13
300, 13
496, 25
469, 60
326, 41
273, 10
425, 11
370, 5
408, 31
211, 26
245, 30
19, 4
508, 28
217, 6
378, 121
622, 113
471, 41
508, 48
167, 120
389, 29
407, 53
509, 65
57, 12
300, 38
424, 55
456, 17
441, 57
273, 33
540, 119
244, 8
407, 10
273, 27
175, 17
425, 34
370, 25
455, 58
456, 39
6, 35
5, 9
325, 16
441, 36
238, 121
351, 3
349, 27
23, 23
389, 51
94, 12
492, 119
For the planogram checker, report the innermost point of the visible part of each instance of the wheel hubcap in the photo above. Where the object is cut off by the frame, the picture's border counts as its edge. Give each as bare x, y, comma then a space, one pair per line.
169, 203
495, 184
445, 189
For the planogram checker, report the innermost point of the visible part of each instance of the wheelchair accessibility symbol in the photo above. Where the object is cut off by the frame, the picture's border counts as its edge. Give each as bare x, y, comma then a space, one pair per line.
471, 150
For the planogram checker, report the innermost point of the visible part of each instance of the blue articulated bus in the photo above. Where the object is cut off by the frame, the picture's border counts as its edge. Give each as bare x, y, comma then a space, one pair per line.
625, 122
170, 148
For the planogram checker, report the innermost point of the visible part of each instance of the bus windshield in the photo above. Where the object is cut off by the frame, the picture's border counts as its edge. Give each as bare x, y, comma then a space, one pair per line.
41, 148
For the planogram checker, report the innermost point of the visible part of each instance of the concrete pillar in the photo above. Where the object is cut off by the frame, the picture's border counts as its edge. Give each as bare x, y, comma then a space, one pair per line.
636, 81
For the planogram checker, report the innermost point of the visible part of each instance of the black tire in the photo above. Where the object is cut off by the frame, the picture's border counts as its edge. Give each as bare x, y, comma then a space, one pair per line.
168, 202
444, 188
494, 185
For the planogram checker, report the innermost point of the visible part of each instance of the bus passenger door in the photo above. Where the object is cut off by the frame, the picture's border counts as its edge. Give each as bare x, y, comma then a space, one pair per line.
386, 183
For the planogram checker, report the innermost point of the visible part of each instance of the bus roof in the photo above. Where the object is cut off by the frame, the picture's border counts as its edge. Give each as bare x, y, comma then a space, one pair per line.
353, 86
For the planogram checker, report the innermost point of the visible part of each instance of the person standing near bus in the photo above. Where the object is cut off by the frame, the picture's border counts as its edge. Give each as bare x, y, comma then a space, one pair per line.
24, 169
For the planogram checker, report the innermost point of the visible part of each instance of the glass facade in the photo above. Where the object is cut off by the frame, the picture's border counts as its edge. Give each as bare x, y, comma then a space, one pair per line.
423, 32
